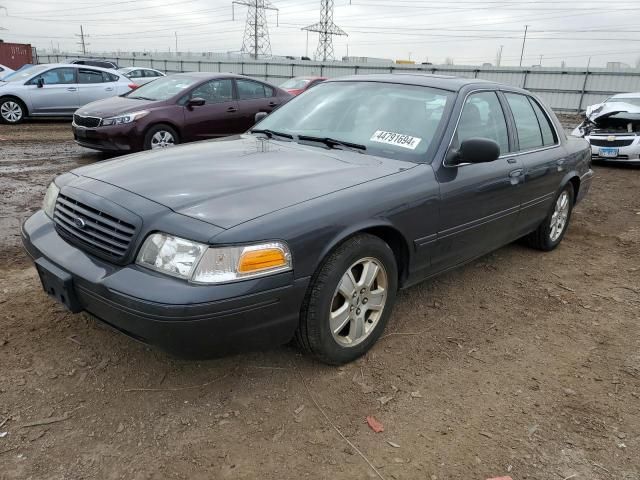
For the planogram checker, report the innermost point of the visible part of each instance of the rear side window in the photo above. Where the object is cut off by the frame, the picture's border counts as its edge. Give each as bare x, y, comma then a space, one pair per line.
482, 117
86, 75
248, 90
527, 126
548, 133
151, 73
136, 73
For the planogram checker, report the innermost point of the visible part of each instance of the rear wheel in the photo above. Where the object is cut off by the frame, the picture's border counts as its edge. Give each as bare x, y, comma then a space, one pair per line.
160, 136
12, 110
551, 231
350, 301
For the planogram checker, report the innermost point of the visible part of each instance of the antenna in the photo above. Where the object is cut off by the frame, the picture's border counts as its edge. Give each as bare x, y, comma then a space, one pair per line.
256, 32
326, 28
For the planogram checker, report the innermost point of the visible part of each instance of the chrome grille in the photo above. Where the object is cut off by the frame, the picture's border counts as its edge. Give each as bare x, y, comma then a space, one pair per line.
98, 230
89, 122
603, 142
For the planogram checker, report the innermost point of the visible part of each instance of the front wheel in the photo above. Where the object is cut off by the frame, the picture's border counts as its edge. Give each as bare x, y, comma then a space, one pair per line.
551, 231
160, 136
350, 301
12, 110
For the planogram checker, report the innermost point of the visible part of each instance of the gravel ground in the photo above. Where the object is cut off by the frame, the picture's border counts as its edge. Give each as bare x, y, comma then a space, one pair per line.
521, 363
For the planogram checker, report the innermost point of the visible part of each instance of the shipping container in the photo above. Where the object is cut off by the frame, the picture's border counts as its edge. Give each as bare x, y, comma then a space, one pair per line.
15, 55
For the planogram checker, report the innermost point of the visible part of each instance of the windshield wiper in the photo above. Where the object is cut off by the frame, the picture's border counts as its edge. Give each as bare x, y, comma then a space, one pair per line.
271, 133
332, 142
142, 98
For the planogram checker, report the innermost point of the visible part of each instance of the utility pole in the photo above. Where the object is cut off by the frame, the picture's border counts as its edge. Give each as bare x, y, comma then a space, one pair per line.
176, 34
524, 40
326, 28
540, 62
499, 56
82, 42
256, 32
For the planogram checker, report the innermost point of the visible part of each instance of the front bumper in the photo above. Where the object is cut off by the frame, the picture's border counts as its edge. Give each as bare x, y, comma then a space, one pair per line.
117, 138
629, 154
184, 319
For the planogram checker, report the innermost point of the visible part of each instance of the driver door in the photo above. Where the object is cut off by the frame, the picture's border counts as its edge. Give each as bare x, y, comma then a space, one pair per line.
58, 95
218, 117
479, 202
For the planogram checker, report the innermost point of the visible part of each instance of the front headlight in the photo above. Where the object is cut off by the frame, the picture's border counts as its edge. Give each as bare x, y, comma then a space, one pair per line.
126, 118
50, 198
200, 263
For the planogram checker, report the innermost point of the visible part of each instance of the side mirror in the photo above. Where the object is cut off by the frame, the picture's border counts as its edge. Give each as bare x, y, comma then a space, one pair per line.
40, 82
474, 150
259, 116
196, 102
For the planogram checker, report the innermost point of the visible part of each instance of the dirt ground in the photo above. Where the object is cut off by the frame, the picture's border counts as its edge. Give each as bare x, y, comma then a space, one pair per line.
521, 363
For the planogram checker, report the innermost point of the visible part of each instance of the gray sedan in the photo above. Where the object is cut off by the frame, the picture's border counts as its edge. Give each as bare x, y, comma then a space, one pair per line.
141, 75
56, 90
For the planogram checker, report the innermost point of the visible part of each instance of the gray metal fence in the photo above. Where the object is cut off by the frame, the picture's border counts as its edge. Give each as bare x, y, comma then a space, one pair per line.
564, 90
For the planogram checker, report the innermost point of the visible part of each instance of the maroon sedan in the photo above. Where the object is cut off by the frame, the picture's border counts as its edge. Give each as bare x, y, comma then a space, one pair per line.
297, 85
175, 109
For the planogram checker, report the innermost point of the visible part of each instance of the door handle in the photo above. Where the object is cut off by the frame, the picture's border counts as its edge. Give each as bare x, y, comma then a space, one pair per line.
109, 89
560, 163
72, 89
515, 175
273, 104
232, 109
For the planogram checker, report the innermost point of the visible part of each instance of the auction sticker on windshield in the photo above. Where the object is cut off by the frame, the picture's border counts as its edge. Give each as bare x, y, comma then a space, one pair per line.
396, 139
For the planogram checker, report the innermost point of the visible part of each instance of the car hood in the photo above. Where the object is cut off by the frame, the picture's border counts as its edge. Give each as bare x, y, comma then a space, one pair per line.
230, 181
109, 107
602, 111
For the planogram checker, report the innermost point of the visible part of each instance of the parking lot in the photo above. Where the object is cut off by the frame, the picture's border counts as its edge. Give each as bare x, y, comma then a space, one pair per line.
521, 363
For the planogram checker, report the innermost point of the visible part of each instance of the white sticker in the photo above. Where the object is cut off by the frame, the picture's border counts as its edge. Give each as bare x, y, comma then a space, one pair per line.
397, 139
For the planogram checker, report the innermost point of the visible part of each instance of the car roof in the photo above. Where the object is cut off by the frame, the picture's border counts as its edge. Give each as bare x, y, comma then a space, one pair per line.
212, 75
444, 82
626, 95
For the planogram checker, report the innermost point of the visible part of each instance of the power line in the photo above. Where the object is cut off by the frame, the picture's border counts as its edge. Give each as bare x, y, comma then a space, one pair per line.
256, 31
326, 29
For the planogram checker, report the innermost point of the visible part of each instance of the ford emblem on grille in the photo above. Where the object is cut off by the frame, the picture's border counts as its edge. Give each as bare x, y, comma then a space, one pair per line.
79, 222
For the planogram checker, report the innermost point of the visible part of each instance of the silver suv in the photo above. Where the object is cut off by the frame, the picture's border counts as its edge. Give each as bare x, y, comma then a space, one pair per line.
56, 90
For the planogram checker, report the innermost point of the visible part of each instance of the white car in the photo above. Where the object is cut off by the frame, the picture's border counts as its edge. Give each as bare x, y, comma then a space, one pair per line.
141, 75
613, 129
56, 90
4, 71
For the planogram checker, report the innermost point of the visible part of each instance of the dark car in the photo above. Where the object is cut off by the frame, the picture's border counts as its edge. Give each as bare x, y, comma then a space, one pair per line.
308, 225
297, 85
96, 63
175, 109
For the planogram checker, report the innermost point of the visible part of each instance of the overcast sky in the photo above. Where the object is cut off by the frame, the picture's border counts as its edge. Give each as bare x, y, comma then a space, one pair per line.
468, 31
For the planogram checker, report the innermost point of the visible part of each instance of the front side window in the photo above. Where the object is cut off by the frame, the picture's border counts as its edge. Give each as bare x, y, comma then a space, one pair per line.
57, 76
482, 117
248, 90
527, 126
389, 120
137, 73
214, 91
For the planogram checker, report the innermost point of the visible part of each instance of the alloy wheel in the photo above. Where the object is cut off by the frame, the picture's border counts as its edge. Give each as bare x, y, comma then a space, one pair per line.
162, 139
11, 111
358, 302
559, 217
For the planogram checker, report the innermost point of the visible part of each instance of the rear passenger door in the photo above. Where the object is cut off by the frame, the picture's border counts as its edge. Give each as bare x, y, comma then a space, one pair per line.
542, 156
95, 85
479, 202
254, 97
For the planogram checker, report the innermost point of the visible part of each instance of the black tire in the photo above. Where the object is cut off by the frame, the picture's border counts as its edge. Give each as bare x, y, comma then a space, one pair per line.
159, 128
314, 334
541, 237
8, 101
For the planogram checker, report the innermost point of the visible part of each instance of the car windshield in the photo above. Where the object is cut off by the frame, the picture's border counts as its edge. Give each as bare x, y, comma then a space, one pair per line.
295, 83
162, 89
25, 73
630, 100
389, 120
